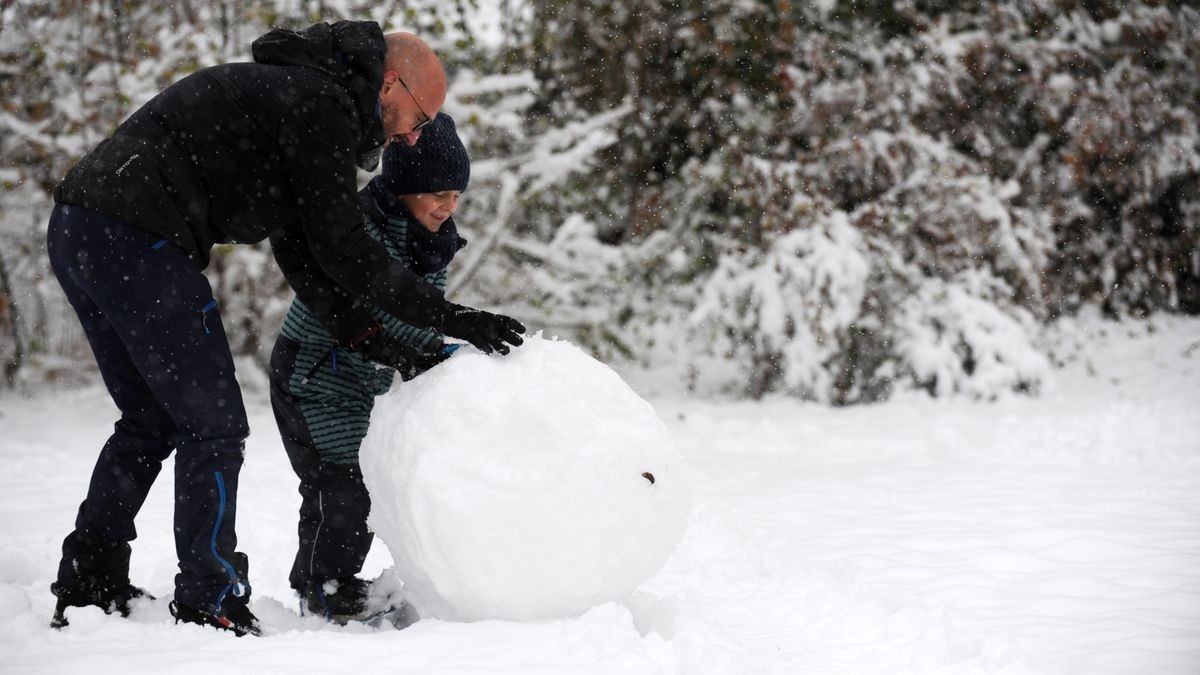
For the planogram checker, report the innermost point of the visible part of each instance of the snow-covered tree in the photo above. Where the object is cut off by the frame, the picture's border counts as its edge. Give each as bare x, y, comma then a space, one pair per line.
830, 200
958, 152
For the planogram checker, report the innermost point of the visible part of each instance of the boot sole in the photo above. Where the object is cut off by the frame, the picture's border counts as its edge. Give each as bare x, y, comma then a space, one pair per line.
194, 616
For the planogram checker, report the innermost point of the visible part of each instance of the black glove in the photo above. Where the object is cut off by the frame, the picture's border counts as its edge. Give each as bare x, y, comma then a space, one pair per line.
486, 331
409, 361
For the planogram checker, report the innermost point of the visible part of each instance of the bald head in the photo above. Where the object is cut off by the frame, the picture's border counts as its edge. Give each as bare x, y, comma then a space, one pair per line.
414, 86
414, 61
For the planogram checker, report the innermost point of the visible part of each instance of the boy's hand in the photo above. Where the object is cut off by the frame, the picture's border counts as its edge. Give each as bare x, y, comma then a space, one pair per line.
486, 331
416, 361
409, 361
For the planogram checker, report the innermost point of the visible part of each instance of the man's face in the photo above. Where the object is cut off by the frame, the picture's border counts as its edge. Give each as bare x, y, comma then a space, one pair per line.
431, 209
403, 114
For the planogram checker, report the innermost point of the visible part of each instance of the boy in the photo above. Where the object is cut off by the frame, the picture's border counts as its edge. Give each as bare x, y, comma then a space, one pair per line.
323, 394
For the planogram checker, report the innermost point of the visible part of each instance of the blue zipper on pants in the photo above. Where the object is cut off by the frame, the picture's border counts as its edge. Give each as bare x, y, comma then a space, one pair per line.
235, 584
212, 304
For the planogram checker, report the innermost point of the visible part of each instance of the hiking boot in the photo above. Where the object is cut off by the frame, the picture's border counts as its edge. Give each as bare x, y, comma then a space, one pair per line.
339, 600
349, 599
93, 591
238, 620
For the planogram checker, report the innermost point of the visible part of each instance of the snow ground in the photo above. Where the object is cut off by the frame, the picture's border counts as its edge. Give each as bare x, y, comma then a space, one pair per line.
1050, 535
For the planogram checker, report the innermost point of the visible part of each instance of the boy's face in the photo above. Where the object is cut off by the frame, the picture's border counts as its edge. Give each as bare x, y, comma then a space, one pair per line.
431, 209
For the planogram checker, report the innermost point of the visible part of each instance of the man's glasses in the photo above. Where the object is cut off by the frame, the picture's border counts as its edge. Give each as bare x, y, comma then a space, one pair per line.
423, 123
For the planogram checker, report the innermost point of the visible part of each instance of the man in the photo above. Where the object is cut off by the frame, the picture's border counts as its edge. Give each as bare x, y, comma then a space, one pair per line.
232, 153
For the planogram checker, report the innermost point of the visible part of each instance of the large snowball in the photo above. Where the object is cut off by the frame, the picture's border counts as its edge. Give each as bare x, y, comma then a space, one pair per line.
530, 486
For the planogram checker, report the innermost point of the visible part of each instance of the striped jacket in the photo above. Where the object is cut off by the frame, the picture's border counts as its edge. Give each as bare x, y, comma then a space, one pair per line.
330, 382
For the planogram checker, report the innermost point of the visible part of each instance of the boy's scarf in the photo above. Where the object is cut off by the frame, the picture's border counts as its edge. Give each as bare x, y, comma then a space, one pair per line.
428, 252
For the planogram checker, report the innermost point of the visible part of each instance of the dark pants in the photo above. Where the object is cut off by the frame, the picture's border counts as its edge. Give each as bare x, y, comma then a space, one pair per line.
152, 322
334, 503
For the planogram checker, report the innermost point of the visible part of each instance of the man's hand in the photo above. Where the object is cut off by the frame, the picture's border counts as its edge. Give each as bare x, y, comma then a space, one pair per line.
486, 331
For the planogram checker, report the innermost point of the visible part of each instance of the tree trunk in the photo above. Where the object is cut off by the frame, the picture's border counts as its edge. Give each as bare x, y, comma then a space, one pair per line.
8, 321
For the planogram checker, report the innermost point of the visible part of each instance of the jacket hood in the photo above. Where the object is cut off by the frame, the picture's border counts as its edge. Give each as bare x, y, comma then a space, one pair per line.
350, 52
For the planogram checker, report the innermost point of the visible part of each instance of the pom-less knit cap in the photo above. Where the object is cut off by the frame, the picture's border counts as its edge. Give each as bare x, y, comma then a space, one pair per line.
438, 162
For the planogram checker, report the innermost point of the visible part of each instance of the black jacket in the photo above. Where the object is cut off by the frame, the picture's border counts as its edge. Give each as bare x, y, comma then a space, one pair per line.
347, 318
243, 151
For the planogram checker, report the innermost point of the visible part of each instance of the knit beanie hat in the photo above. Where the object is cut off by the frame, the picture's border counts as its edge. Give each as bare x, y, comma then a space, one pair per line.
438, 162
